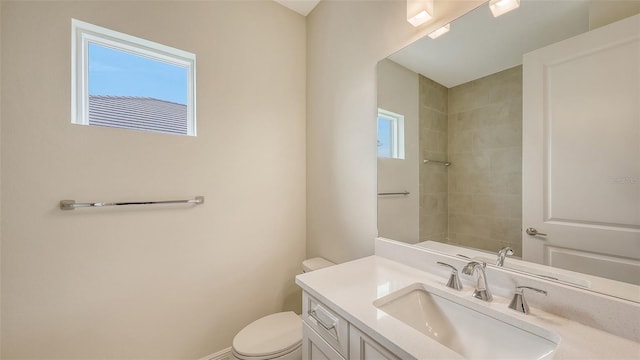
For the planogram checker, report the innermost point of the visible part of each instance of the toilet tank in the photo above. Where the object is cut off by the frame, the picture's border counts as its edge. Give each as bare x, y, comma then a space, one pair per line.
315, 264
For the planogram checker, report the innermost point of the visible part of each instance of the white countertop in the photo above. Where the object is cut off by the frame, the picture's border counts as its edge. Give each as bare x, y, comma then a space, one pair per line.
351, 288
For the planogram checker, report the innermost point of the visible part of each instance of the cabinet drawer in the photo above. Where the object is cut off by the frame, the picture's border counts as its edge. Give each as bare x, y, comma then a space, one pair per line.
315, 348
333, 328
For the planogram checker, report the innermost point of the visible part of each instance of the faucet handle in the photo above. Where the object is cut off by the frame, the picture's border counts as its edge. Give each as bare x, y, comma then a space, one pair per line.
454, 279
502, 254
471, 266
507, 250
519, 303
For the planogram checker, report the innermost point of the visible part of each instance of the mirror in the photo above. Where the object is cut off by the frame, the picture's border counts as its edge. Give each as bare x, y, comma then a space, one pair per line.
450, 129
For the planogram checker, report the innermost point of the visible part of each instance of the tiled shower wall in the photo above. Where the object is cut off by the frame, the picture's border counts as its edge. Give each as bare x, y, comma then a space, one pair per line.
433, 116
484, 144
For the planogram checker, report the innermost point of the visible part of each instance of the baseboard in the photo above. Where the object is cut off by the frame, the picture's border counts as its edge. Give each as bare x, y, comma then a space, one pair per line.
223, 354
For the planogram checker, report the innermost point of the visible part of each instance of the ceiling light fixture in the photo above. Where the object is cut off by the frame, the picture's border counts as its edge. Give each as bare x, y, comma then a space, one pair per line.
419, 11
441, 31
499, 7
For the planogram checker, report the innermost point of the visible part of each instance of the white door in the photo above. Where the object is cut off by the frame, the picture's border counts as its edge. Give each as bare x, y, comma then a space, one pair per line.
581, 153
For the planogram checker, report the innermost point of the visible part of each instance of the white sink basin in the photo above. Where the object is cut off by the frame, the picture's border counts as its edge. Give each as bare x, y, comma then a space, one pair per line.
470, 333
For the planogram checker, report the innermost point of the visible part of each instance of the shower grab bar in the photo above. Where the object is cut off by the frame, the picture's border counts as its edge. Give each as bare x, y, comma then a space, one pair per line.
72, 204
394, 193
445, 163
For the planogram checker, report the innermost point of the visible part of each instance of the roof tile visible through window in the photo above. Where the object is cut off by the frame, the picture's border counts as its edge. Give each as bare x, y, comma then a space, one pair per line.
142, 113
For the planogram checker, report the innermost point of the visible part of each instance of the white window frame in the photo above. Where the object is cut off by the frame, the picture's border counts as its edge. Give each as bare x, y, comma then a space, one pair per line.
397, 132
83, 33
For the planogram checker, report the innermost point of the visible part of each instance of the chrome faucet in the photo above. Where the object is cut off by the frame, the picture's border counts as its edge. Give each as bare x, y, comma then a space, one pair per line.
482, 288
454, 280
519, 303
502, 254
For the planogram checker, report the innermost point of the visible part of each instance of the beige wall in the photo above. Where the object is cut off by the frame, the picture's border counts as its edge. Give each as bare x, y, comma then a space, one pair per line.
0, 173
398, 214
151, 282
433, 146
345, 40
603, 12
485, 148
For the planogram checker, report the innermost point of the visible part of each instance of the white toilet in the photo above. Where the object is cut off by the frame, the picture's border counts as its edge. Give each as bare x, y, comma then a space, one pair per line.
276, 336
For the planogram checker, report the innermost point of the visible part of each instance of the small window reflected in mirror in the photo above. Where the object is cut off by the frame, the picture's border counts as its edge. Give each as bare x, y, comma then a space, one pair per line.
390, 135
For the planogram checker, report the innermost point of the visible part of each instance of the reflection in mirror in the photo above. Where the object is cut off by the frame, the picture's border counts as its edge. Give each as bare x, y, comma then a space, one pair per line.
461, 96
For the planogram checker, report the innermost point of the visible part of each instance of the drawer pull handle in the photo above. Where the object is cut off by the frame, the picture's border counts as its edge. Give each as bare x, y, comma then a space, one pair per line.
329, 322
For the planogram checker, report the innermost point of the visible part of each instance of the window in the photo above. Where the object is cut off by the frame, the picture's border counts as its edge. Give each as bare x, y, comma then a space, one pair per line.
390, 135
126, 82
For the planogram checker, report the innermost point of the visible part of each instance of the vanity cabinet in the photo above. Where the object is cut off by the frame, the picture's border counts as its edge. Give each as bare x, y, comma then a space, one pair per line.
315, 347
327, 335
362, 347
325, 322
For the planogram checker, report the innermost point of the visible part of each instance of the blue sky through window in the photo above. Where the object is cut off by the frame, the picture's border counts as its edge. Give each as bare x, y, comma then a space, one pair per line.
384, 137
119, 73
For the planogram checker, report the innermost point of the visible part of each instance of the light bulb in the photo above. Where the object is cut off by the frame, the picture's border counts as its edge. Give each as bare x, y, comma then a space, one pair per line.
499, 7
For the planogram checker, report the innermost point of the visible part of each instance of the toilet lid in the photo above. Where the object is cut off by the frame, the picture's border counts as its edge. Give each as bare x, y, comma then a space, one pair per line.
269, 335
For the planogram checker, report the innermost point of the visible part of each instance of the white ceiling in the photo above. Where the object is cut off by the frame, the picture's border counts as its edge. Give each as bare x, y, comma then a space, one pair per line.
302, 7
479, 44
